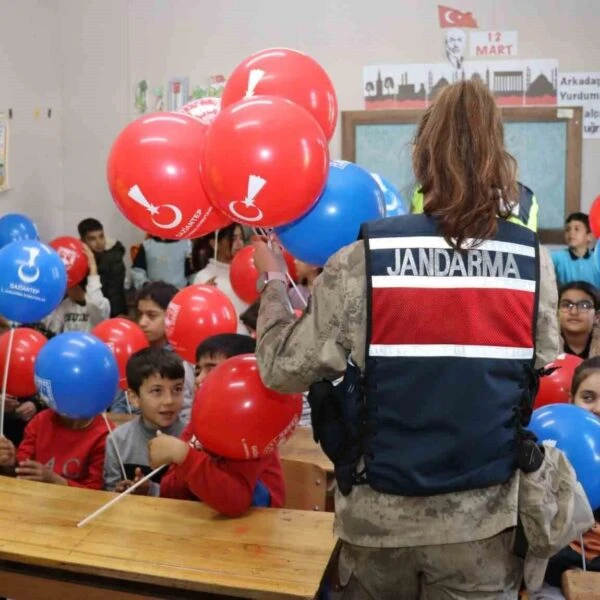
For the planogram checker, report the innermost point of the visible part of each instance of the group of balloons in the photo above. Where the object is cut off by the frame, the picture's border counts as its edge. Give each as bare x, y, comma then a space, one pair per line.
78, 373
259, 157
572, 429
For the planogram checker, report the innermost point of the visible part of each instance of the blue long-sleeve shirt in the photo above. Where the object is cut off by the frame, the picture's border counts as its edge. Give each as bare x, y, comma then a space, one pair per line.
570, 267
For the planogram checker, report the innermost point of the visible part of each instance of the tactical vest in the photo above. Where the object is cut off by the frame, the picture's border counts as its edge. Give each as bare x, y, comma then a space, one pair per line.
525, 212
450, 356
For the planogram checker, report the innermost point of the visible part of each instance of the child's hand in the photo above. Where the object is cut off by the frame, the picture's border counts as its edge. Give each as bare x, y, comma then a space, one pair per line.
91, 260
35, 471
142, 490
7, 453
27, 410
10, 404
166, 449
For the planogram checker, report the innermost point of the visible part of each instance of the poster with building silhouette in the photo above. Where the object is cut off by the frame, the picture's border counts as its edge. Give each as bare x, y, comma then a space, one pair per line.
513, 82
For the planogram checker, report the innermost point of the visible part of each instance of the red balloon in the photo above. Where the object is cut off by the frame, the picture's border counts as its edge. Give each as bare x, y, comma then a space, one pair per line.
556, 388
154, 180
266, 161
204, 110
236, 416
124, 338
243, 275
298, 312
290, 261
196, 313
287, 74
72, 254
26, 345
595, 217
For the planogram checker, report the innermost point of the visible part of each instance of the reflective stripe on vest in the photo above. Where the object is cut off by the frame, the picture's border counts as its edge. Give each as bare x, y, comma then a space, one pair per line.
451, 336
524, 213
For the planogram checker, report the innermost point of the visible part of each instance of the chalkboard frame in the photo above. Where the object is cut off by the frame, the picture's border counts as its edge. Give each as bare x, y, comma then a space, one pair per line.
572, 116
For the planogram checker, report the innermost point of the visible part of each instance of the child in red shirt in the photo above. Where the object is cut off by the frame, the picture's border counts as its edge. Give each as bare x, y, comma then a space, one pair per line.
229, 486
60, 450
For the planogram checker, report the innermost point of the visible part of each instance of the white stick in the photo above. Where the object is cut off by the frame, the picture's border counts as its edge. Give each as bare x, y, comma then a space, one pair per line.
216, 244
128, 403
115, 446
583, 561
119, 497
11, 337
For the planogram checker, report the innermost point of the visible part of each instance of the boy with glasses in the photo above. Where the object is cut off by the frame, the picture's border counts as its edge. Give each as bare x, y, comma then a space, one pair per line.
577, 306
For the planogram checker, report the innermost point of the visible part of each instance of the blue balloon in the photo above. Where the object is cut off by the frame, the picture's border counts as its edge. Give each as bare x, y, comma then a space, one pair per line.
394, 202
76, 374
576, 432
33, 281
351, 197
15, 227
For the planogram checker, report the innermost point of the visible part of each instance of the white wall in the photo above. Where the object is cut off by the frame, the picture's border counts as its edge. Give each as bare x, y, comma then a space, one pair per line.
30, 85
84, 58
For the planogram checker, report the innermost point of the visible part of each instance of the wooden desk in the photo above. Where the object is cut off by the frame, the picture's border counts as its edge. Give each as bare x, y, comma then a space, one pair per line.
581, 585
301, 446
149, 547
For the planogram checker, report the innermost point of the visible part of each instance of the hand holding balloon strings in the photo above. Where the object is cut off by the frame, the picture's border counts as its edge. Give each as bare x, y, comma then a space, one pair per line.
268, 237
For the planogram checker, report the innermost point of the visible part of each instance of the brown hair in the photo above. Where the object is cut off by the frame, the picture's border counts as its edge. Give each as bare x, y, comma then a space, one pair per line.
467, 177
582, 372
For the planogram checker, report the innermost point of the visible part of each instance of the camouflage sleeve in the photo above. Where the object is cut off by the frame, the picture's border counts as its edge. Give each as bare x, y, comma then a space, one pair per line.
294, 353
548, 336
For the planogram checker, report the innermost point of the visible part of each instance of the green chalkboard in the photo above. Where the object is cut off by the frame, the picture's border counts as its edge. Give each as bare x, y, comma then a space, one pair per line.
545, 141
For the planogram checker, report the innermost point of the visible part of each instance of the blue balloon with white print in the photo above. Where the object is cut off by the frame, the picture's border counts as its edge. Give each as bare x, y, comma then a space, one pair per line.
33, 281
76, 374
395, 206
15, 227
576, 432
351, 197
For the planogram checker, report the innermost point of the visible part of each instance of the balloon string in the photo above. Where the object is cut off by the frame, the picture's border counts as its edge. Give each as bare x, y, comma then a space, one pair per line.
128, 403
216, 244
114, 442
119, 497
267, 234
583, 561
11, 337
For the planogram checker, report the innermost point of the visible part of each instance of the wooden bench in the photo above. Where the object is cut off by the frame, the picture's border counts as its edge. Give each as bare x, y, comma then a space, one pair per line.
302, 447
148, 547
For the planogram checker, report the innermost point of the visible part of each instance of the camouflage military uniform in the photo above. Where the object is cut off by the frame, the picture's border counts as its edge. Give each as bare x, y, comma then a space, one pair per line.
293, 354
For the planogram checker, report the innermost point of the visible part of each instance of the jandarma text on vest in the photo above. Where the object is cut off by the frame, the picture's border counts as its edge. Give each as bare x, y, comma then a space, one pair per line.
438, 262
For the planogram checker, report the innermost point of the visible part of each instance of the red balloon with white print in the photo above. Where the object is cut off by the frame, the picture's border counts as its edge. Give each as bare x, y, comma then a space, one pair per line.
196, 313
204, 110
287, 74
72, 254
154, 179
236, 416
265, 162
26, 345
555, 388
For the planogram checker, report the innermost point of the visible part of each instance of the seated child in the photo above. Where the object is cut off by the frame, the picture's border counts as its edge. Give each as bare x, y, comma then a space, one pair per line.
151, 305
109, 258
17, 413
585, 392
84, 306
162, 260
576, 263
229, 486
58, 449
155, 377
577, 305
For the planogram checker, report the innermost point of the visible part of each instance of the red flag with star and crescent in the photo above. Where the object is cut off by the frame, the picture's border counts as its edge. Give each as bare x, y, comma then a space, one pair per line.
450, 17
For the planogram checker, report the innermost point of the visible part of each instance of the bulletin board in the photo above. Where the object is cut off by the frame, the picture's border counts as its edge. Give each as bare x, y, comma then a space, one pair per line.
546, 141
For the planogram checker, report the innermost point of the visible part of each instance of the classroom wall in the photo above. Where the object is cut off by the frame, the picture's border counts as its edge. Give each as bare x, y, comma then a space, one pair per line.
86, 57
29, 85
